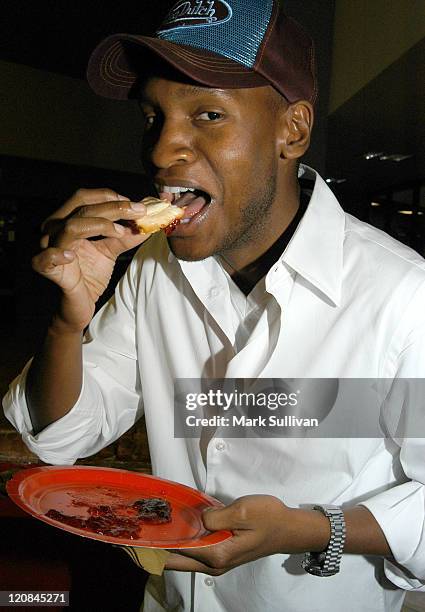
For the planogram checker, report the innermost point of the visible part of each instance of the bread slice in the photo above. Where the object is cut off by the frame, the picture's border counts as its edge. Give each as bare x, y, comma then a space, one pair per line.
159, 215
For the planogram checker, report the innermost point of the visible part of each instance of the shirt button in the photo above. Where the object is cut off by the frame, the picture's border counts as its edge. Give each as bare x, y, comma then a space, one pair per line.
214, 292
209, 582
220, 445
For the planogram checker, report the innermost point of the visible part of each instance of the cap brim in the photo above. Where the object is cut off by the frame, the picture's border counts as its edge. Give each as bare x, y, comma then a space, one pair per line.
112, 72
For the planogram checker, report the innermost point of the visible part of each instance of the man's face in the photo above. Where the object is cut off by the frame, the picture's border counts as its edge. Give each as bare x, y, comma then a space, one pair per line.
222, 143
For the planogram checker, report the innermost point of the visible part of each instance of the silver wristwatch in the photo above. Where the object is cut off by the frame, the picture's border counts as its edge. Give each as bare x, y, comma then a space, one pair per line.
326, 563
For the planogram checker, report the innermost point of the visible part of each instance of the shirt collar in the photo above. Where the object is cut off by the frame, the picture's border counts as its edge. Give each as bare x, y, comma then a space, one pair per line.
316, 249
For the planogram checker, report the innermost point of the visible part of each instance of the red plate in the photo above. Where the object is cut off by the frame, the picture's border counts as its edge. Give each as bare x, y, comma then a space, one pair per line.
68, 489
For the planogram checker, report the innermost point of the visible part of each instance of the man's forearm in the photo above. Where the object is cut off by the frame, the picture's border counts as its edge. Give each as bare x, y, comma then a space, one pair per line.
55, 378
363, 534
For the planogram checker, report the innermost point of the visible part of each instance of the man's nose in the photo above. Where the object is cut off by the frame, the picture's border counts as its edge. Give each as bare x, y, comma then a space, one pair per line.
173, 146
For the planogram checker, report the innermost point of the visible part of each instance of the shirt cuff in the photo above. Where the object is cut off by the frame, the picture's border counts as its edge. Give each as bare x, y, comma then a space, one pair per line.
400, 512
68, 438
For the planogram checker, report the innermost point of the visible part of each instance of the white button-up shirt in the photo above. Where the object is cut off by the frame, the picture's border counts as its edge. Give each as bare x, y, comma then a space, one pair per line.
344, 300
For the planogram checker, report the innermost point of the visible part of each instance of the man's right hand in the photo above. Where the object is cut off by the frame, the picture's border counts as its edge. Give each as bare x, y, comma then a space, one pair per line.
78, 264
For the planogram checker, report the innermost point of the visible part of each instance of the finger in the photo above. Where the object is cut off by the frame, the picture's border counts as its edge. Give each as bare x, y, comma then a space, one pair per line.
84, 197
229, 517
243, 547
77, 229
44, 241
113, 211
216, 555
51, 227
46, 262
116, 246
182, 563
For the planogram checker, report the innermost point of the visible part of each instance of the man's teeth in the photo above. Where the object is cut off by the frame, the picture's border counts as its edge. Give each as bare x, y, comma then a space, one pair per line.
176, 190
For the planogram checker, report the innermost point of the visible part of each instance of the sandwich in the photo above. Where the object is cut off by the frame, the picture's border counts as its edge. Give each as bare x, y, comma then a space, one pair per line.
160, 215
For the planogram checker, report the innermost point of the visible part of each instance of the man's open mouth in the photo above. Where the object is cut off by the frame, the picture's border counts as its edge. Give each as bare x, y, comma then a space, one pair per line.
191, 199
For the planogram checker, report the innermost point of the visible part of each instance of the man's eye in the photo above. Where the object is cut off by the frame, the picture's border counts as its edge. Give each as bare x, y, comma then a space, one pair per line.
210, 116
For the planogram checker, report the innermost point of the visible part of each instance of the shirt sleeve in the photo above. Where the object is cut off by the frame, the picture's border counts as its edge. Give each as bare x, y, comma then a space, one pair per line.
400, 511
110, 399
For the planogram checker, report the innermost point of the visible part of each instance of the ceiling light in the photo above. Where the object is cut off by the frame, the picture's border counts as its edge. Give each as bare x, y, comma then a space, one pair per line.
405, 212
381, 156
396, 157
372, 155
375, 203
335, 180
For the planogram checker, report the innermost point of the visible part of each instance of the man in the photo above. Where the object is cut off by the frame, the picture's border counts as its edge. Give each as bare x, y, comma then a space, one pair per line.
260, 282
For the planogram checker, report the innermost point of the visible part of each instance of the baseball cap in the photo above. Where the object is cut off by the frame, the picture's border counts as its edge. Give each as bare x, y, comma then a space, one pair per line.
218, 43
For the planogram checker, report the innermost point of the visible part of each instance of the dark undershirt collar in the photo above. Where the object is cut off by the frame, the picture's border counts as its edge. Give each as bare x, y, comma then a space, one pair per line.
248, 277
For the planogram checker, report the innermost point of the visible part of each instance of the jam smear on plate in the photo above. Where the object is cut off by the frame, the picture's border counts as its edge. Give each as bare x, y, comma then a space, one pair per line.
120, 521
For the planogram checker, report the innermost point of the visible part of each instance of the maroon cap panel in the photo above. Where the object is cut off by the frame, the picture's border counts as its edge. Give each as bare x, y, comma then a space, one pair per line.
286, 60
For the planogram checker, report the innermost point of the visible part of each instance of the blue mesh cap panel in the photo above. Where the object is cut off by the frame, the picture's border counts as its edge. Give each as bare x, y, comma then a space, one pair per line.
237, 38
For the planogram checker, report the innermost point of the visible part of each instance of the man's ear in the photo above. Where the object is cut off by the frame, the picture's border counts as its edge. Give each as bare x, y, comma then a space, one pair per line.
295, 130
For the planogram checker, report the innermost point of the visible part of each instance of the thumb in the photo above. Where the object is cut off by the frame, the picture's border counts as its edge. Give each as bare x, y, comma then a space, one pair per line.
216, 519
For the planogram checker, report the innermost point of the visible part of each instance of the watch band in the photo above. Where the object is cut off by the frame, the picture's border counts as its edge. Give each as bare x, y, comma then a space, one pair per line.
327, 563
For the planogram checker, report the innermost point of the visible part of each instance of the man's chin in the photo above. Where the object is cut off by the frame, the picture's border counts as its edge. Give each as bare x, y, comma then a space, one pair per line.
182, 249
